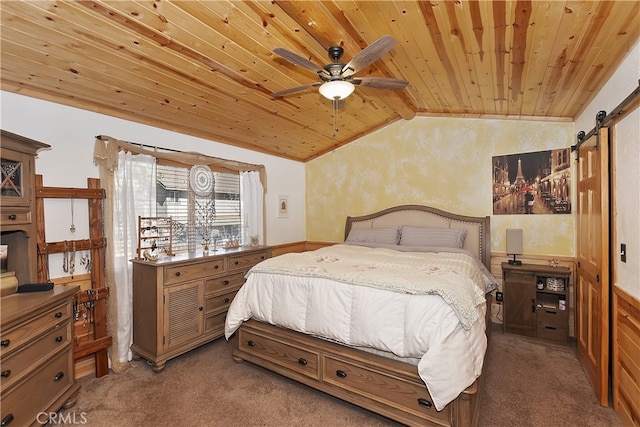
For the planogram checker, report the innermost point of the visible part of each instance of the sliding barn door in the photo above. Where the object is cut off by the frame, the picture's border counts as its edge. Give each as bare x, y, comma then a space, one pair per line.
592, 281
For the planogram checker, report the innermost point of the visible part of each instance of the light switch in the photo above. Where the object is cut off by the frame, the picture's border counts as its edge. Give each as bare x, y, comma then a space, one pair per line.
623, 252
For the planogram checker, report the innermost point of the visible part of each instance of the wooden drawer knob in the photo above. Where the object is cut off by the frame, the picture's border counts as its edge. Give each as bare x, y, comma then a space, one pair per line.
58, 315
302, 361
12, 217
177, 274
5, 343
225, 282
59, 338
58, 376
5, 374
341, 374
6, 420
226, 300
251, 343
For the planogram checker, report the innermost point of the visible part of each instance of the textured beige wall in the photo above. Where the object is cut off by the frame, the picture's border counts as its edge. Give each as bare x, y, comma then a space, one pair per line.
442, 162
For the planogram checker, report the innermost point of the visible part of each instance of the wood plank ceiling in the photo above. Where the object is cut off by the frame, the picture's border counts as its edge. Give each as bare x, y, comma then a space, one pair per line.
206, 68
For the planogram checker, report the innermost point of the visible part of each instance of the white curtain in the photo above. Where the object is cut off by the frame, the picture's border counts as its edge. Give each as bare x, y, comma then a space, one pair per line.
134, 195
252, 202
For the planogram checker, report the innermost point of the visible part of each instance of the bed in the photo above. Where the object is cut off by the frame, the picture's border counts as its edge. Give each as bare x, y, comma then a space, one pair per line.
426, 368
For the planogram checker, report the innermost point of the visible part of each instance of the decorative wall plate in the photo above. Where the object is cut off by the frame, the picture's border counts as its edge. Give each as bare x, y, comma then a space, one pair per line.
201, 180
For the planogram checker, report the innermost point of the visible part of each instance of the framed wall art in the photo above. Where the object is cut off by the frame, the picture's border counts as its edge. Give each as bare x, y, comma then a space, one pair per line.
283, 206
532, 183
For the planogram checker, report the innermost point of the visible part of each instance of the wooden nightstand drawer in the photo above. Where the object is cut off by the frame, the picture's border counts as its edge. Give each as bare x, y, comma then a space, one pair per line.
245, 262
184, 273
524, 277
24, 401
389, 390
553, 333
289, 356
552, 317
16, 365
28, 331
223, 284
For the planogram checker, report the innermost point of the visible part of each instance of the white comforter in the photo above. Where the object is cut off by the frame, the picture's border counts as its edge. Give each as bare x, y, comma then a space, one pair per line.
418, 326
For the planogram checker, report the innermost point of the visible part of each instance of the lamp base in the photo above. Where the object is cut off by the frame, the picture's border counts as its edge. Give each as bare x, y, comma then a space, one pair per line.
514, 261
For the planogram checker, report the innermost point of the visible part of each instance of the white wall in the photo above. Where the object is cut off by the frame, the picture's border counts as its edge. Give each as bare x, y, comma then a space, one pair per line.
71, 133
626, 161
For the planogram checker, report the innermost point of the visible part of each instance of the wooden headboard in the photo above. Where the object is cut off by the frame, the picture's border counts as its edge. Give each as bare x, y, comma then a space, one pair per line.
478, 240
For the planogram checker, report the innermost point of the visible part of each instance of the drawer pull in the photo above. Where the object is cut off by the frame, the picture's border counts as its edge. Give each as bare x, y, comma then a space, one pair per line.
58, 376
302, 361
226, 300
177, 274
550, 312
262, 257
12, 217
59, 338
215, 267
6, 420
236, 262
5, 374
251, 343
5, 343
424, 402
550, 327
225, 282
341, 374
200, 308
58, 315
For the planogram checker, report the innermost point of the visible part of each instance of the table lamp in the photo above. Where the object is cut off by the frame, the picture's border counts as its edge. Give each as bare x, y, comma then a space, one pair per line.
514, 244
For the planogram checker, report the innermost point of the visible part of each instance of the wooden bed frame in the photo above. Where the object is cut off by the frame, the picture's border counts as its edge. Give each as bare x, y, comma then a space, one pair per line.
388, 387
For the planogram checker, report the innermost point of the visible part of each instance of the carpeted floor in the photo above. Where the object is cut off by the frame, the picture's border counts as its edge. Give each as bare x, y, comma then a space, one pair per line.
529, 383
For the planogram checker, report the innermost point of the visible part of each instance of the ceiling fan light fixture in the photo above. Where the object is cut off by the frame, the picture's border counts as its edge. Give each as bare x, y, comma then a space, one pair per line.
336, 89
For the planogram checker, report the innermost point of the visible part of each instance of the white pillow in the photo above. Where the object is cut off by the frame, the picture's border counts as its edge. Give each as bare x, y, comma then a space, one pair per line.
373, 235
426, 236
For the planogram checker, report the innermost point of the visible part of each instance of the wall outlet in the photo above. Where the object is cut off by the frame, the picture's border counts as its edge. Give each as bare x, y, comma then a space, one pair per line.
499, 297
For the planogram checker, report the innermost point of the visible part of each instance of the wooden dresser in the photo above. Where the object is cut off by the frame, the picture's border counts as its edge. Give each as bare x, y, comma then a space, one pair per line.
36, 353
181, 302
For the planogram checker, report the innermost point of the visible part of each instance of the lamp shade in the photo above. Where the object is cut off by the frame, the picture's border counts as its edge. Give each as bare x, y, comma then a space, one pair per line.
514, 241
336, 89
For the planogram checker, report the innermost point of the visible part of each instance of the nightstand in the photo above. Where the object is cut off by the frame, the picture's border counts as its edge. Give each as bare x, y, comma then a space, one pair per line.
535, 301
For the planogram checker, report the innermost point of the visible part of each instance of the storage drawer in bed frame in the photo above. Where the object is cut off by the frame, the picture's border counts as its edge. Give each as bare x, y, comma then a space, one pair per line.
388, 387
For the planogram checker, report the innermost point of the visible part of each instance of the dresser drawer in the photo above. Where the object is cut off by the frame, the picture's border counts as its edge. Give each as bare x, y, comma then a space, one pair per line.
17, 365
289, 356
184, 273
245, 262
14, 338
215, 322
386, 389
28, 398
223, 284
219, 302
8, 217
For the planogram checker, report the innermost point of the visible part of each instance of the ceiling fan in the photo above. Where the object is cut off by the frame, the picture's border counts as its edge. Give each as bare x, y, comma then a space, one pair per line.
337, 79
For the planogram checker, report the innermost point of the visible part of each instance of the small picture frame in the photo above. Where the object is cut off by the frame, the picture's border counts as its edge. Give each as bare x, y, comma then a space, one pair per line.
283, 206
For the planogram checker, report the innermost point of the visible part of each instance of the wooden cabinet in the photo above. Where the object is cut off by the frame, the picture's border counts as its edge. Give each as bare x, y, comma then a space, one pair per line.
535, 301
181, 302
17, 210
36, 355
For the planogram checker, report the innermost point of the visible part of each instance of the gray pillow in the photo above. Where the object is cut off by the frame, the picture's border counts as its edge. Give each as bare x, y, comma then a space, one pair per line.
373, 235
428, 236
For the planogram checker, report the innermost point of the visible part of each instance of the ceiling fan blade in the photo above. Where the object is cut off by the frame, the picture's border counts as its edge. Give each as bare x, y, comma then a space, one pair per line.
380, 82
368, 55
294, 89
296, 59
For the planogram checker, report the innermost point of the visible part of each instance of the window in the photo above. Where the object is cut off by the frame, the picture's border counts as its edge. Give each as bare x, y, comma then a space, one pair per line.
197, 216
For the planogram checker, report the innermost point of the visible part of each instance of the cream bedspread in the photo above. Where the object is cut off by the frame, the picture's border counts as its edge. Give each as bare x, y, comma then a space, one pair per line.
320, 293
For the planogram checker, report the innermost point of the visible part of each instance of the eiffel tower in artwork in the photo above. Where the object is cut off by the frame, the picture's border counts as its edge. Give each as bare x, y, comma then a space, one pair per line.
519, 183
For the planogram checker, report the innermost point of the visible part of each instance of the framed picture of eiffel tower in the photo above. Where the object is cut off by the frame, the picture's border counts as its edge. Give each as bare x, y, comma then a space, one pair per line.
532, 183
